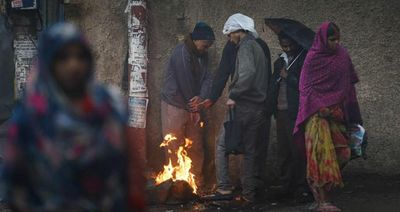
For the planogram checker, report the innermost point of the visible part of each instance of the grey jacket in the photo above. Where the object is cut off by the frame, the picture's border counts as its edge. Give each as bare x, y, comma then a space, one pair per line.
179, 86
250, 81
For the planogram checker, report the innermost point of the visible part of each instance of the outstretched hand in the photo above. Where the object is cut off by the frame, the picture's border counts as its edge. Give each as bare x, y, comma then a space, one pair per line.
206, 104
324, 112
231, 103
194, 104
284, 73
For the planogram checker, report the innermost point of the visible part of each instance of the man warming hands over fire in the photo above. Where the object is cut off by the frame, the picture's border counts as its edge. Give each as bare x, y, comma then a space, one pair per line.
247, 96
187, 82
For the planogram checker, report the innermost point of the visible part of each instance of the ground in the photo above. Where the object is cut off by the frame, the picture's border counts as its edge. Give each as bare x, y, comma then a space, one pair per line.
363, 193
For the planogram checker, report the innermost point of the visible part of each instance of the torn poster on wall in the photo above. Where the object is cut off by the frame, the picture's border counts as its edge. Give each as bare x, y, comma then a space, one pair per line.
23, 4
137, 112
137, 57
137, 80
25, 51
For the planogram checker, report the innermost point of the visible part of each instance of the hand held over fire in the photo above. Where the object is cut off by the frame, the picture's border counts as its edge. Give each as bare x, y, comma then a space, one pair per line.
194, 104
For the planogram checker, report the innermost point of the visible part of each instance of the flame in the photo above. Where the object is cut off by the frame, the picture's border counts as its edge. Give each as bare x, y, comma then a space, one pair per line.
180, 171
201, 124
167, 140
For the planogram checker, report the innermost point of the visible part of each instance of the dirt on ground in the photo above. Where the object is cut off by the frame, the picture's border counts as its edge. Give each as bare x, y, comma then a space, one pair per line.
362, 193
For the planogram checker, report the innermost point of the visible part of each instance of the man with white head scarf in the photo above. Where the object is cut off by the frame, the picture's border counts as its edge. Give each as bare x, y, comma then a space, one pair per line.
237, 22
247, 95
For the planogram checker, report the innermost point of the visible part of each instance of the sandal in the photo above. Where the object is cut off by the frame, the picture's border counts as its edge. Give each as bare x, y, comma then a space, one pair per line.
242, 202
313, 206
328, 207
243, 199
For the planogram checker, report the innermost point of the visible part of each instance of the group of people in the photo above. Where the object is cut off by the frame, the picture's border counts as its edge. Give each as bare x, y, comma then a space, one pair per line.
311, 94
69, 148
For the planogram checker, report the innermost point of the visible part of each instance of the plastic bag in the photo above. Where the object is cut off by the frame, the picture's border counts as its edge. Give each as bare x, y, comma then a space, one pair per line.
358, 142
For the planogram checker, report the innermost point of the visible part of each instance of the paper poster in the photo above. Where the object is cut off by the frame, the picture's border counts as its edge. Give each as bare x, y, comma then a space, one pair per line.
137, 80
137, 41
25, 51
136, 10
137, 63
137, 112
23, 4
137, 48
17, 3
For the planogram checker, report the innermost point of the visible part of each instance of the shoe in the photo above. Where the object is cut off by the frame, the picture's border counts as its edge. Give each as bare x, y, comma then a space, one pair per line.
224, 192
219, 195
244, 199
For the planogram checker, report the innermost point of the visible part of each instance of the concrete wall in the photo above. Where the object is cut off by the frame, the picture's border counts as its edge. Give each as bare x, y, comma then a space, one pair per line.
104, 23
370, 30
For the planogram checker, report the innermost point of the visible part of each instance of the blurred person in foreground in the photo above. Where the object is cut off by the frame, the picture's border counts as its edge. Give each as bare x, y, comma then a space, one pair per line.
67, 146
328, 111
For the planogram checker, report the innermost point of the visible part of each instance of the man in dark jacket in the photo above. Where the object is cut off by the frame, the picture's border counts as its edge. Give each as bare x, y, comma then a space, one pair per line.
284, 103
187, 82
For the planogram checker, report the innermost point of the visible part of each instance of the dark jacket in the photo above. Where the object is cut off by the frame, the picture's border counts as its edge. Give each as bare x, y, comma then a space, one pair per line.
181, 81
292, 82
226, 67
250, 80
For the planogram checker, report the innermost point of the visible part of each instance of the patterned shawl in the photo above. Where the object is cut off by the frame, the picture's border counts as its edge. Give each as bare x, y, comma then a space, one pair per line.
57, 158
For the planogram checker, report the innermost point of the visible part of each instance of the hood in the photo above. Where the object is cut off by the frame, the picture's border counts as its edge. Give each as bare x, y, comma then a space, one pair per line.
53, 39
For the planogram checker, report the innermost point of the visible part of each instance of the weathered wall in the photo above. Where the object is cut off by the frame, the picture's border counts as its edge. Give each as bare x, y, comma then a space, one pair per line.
370, 31
104, 23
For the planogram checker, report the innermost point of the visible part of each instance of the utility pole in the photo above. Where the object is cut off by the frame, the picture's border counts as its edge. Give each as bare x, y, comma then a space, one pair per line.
137, 71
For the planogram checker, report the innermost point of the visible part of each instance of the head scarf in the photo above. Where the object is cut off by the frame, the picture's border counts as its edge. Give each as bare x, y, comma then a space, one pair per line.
42, 92
237, 22
327, 77
73, 157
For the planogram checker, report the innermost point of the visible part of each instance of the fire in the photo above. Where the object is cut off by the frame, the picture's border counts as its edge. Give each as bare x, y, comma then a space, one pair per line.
180, 171
201, 124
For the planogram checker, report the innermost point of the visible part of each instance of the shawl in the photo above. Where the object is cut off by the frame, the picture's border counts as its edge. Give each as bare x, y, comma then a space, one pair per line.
327, 78
61, 157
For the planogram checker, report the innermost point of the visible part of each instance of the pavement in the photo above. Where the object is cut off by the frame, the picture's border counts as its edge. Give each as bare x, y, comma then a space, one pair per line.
361, 193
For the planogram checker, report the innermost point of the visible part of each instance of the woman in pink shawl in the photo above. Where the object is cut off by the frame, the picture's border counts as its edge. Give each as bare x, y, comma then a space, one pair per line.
328, 108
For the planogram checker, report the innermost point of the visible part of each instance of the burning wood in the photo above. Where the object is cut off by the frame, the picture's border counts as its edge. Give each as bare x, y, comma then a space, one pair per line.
180, 172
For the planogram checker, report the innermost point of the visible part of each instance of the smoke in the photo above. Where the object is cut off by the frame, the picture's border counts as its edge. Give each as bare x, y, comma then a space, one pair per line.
7, 70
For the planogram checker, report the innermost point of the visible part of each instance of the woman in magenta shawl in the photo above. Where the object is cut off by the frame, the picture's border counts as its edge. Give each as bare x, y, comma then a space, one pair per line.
328, 108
